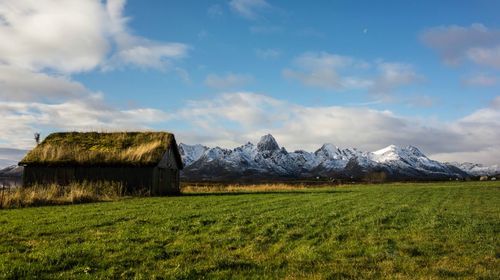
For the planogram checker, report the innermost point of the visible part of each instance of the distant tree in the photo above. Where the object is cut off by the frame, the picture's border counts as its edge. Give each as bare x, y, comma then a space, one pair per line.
37, 138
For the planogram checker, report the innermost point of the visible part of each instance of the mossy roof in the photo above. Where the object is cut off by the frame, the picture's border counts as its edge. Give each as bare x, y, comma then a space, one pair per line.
96, 148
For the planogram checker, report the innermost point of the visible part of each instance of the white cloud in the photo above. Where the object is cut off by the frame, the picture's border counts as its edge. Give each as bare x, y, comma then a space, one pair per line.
75, 36
268, 53
243, 108
134, 50
66, 36
477, 43
393, 75
495, 103
485, 56
482, 80
20, 119
420, 100
232, 119
24, 85
248, 8
337, 72
146, 54
486, 156
10, 156
323, 70
230, 80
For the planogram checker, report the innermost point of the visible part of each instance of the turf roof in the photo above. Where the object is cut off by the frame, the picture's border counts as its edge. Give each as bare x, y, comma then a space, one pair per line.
95, 148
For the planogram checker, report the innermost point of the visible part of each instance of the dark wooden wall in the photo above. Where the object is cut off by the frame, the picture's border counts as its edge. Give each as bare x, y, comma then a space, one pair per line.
158, 181
166, 181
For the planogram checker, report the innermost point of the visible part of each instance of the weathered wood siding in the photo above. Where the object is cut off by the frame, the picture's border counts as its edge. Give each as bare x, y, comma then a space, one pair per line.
133, 178
156, 180
166, 181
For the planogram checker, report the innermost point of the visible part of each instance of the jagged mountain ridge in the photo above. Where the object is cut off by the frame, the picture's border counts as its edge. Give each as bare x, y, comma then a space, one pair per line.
267, 160
476, 169
191, 153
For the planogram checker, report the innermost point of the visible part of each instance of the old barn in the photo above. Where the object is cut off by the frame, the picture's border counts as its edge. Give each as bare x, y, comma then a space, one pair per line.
140, 161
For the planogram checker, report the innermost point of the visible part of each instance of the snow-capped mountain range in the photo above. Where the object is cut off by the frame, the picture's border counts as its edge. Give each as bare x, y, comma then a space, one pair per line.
267, 160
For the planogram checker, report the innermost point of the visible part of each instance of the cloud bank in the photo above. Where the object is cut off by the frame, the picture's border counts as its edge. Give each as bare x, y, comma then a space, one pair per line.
241, 116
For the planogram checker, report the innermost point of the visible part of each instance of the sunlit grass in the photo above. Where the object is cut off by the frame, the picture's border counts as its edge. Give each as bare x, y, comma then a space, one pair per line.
395, 231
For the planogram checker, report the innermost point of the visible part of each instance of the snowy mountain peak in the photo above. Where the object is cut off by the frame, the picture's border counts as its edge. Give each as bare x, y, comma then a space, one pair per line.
191, 153
267, 143
329, 147
388, 149
395, 153
328, 150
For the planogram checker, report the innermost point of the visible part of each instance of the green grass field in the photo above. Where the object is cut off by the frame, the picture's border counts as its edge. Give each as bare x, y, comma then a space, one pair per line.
408, 231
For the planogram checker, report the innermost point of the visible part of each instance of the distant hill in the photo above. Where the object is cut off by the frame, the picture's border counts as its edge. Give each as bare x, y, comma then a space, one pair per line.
10, 157
12, 171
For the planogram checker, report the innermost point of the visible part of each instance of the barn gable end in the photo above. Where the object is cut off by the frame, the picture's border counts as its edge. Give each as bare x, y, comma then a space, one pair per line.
171, 159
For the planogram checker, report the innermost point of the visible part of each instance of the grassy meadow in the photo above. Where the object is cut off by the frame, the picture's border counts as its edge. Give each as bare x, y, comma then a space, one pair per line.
403, 231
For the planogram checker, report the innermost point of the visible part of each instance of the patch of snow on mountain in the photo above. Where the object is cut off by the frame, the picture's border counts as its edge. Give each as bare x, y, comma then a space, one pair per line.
191, 153
477, 169
389, 153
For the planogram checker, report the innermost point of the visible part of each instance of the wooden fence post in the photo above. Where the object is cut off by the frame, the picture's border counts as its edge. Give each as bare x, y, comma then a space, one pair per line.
1, 197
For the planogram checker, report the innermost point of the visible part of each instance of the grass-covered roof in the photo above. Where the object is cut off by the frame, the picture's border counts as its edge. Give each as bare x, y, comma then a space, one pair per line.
95, 148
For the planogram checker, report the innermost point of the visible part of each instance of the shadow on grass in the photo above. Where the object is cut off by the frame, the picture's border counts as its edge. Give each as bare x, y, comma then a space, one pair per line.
298, 192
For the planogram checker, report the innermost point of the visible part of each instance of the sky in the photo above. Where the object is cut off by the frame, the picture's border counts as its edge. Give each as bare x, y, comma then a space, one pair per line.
362, 74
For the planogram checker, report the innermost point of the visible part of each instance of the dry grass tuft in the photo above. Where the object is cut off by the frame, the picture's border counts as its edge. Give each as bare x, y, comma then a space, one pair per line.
58, 195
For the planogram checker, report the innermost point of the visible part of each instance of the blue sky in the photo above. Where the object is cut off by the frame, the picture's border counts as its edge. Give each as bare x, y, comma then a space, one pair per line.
226, 42
360, 74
